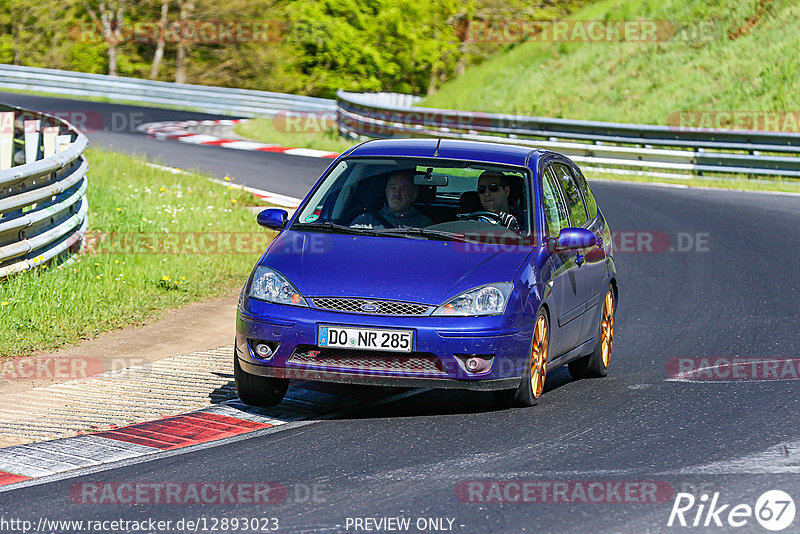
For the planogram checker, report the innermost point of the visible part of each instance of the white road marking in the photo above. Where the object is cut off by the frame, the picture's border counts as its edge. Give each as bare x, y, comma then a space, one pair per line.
778, 459
196, 139
309, 152
245, 145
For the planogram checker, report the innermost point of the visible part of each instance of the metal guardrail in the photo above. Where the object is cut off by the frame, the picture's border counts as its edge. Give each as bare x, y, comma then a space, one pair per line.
43, 208
606, 144
221, 100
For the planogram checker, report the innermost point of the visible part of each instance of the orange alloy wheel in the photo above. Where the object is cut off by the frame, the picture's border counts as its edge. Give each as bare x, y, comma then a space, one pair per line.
539, 356
607, 328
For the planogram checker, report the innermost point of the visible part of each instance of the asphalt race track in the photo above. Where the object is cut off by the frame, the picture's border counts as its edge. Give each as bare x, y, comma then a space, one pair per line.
722, 281
114, 126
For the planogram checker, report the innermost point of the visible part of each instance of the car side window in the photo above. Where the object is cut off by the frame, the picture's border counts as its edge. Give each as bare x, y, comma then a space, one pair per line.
591, 203
577, 210
555, 210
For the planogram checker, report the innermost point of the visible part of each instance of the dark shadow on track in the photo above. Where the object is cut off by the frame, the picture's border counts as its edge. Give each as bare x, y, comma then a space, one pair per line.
425, 403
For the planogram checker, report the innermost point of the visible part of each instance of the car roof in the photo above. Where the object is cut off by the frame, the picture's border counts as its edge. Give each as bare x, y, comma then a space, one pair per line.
450, 149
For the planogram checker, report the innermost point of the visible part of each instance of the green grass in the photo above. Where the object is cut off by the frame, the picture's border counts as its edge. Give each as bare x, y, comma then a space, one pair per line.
265, 131
739, 183
106, 289
646, 82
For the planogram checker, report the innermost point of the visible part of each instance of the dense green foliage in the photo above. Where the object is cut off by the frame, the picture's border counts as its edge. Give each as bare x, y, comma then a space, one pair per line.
312, 47
745, 58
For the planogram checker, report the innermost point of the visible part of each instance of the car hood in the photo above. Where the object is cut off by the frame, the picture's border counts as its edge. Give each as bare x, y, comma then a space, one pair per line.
404, 269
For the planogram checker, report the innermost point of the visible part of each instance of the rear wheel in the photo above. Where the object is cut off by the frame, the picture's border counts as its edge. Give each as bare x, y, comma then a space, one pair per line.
260, 391
532, 384
595, 365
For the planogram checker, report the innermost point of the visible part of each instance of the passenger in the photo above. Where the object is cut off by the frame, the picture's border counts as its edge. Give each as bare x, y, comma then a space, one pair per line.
493, 190
398, 212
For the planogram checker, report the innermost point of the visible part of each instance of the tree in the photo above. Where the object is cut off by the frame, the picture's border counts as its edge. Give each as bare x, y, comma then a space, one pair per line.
186, 7
109, 21
324, 45
158, 56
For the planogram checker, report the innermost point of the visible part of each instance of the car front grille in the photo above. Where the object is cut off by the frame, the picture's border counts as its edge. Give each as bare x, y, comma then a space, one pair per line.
416, 363
371, 307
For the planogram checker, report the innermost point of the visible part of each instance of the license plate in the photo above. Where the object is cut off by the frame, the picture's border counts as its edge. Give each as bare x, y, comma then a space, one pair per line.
366, 338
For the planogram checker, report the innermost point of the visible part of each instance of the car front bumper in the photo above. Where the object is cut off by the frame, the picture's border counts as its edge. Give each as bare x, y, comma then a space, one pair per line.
445, 340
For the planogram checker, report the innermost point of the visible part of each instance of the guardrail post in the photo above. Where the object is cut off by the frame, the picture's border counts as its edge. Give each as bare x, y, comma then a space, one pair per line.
32, 144
49, 140
43, 208
6, 139
62, 142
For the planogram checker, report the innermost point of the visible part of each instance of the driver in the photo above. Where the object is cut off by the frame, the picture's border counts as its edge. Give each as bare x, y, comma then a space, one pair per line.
493, 190
398, 212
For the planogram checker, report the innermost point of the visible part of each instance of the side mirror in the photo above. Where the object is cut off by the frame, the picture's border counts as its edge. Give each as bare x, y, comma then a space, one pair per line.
572, 239
273, 218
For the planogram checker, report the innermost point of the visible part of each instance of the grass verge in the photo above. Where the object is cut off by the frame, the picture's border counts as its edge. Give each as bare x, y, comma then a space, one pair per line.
264, 130
157, 240
733, 183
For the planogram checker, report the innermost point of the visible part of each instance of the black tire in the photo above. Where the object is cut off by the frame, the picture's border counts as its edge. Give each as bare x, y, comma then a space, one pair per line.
259, 391
528, 393
595, 365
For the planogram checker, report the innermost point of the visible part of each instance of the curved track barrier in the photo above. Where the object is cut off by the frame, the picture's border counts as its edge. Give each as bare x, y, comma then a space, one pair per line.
43, 208
222, 100
603, 144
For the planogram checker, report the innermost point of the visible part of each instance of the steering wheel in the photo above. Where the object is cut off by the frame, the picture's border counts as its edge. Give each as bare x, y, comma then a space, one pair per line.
485, 216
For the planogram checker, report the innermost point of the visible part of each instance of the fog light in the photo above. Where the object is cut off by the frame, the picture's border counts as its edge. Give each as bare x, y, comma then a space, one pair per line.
475, 364
263, 350
478, 365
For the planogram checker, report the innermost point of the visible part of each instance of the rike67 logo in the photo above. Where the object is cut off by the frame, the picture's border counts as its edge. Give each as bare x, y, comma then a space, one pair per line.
774, 510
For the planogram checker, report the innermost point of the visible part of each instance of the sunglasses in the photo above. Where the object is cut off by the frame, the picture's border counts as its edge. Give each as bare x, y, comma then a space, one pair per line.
493, 188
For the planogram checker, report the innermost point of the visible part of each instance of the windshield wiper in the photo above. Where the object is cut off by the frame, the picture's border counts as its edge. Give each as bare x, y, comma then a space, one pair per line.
435, 234
408, 232
327, 225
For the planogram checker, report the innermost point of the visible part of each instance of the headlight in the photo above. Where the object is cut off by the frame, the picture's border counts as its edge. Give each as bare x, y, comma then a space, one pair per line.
272, 286
490, 299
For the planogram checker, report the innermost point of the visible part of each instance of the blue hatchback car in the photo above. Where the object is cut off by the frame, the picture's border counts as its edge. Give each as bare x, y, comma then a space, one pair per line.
433, 263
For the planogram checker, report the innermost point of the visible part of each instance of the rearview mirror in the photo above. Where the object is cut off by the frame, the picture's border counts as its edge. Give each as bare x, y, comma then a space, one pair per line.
572, 239
429, 178
273, 218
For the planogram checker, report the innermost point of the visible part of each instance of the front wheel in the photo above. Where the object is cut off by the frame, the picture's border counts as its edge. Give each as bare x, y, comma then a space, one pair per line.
532, 384
259, 391
595, 365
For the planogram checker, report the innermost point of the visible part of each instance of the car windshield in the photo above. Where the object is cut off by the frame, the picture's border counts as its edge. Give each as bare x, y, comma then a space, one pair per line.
400, 196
